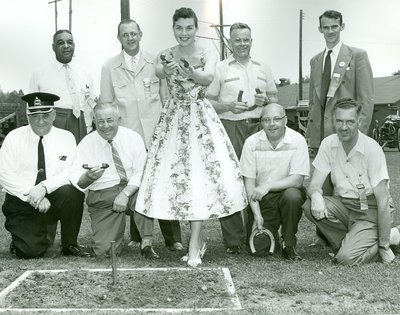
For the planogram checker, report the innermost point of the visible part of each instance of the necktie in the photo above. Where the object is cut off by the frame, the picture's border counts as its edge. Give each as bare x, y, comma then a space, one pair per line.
326, 78
76, 108
133, 64
41, 165
118, 164
325, 82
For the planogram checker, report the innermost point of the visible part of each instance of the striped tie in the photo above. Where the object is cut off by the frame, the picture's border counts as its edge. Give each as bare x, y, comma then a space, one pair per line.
118, 164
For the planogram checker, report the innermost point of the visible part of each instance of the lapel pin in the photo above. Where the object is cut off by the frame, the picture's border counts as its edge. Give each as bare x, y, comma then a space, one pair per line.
342, 64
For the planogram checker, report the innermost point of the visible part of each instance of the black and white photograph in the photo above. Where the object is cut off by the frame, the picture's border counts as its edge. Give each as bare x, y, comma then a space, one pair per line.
199, 156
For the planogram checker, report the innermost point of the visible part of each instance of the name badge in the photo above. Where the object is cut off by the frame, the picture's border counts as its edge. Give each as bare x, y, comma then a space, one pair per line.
335, 81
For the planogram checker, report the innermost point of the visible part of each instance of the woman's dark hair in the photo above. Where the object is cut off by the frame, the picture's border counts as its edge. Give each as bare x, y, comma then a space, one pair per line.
184, 13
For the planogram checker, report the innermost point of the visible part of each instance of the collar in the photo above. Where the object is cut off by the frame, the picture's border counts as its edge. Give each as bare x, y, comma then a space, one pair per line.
335, 50
60, 65
359, 147
285, 140
128, 57
231, 60
105, 142
34, 137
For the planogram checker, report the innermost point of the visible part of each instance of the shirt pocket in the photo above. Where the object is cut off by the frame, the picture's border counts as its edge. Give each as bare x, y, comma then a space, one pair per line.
154, 86
121, 90
231, 79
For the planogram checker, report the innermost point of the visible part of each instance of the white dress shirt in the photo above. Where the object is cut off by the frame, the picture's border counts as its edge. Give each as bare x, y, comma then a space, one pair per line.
261, 161
231, 76
51, 79
19, 158
94, 150
365, 164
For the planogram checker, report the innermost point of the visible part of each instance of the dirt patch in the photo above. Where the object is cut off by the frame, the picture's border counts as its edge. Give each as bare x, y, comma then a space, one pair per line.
171, 288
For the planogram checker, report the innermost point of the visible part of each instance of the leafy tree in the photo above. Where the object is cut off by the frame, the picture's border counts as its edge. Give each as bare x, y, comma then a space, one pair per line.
396, 72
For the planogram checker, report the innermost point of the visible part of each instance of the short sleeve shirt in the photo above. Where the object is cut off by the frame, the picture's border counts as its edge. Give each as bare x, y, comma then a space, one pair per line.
365, 164
261, 161
232, 77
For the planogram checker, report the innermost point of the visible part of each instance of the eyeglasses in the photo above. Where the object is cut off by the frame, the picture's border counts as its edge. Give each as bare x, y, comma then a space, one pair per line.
130, 34
275, 120
102, 122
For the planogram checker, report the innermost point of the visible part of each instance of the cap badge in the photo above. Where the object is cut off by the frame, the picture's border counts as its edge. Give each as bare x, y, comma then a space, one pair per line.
37, 102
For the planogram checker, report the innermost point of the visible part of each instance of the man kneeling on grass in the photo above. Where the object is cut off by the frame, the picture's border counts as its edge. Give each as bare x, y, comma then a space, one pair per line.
112, 158
274, 163
357, 219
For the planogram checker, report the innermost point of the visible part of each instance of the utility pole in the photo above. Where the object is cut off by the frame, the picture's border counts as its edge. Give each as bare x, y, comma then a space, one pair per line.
125, 10
221, 29
70, 15
301, 56
55, 11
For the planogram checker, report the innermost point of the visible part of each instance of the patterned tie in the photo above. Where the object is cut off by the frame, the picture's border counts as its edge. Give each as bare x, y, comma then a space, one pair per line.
118, 164
41, 165
72, 91
326, 78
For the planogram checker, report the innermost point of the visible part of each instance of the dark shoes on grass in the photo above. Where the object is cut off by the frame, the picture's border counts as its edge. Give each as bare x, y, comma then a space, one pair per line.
289, 253
149, 253
233, 250
75, 250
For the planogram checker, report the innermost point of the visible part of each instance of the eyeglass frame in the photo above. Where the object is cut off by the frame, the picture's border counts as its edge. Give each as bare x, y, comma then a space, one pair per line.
269, 120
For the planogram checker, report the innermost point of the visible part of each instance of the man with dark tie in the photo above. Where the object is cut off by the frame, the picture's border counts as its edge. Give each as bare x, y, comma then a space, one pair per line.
73, 84
337, 72
109, 164
129, 80
34, 167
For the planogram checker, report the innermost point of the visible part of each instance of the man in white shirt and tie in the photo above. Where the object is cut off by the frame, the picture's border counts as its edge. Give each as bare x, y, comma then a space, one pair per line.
129, 80
34, 167
71, 82
113, 158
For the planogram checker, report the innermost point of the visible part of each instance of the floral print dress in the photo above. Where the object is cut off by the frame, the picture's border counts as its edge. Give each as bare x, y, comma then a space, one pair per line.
192, 172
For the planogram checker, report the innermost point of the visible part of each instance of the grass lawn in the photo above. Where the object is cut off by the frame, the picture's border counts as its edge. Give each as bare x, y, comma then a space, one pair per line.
270, 285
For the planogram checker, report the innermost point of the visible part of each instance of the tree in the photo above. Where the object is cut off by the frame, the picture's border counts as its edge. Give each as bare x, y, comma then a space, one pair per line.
396, 72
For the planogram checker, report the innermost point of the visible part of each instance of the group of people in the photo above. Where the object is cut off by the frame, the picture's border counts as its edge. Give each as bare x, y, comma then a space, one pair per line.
181, 136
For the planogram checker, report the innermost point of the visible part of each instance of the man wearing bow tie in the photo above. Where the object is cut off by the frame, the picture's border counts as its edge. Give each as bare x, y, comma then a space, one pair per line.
34, 168
337, 72
129, 80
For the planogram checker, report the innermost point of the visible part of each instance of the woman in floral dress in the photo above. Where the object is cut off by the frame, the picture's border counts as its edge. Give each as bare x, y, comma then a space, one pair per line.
192, 172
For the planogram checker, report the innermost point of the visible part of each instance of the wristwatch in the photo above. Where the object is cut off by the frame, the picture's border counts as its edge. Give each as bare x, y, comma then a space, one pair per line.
386, 247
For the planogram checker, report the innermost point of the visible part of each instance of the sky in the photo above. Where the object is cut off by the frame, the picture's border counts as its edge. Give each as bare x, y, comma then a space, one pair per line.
27, 27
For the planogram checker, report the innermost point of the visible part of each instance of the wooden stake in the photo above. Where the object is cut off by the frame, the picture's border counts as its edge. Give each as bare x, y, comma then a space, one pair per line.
113, 262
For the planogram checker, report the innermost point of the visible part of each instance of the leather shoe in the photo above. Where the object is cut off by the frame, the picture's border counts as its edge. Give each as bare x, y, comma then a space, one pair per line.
13, 250
290, 253
234, 250
177, 246
149, 253
75, 250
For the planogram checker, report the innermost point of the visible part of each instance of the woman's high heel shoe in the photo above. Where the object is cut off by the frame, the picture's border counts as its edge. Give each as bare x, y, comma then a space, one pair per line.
200, 255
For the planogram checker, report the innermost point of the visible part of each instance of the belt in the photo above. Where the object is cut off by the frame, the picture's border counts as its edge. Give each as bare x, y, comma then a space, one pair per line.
251, 120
